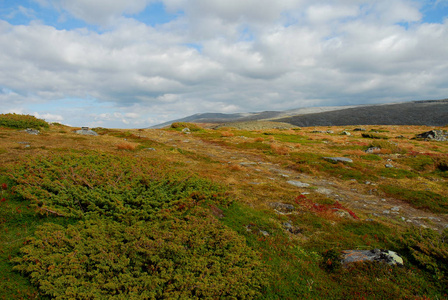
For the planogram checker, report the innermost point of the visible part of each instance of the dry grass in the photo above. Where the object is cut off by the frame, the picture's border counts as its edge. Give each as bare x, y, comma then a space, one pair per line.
127, 146
227, 134
280, 149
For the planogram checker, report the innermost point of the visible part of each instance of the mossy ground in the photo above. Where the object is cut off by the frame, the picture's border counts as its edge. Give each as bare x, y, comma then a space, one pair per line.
252, 167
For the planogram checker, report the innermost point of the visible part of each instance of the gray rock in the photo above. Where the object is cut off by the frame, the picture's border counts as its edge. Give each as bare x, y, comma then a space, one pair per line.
343, 214
32, 131
150, 149
265, 233
86, 131
298, 183
330, 131
375, 255
373, 150
292, 229
359, 129
434, 135
282, 207
389, 166
346, 133
339, 159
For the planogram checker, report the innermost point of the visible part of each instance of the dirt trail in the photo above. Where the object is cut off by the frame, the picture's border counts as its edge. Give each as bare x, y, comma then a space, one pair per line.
361, 198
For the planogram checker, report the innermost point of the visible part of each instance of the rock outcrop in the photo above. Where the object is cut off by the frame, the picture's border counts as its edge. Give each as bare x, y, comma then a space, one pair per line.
434, 135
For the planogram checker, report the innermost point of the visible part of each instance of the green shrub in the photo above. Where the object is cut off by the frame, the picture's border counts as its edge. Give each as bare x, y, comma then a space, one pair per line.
22, 121
374, 136
189, 257
386, 145
181, 125
123, 188
429, 250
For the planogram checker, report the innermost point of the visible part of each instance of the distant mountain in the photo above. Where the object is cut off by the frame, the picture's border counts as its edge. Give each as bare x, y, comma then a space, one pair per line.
426, 112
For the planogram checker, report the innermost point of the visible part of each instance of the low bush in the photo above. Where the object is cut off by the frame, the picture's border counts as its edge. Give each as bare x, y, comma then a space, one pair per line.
419, 199
181, 125
374, 136
189, 257
429, 250
22, 121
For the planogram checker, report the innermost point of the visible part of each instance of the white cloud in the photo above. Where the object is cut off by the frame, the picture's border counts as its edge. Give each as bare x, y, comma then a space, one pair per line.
246, 56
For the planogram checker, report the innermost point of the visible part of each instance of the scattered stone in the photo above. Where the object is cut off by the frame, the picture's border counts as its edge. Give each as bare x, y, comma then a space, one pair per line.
317, 131
386, 212
346, 133
150, 149
396, 208
265, 233
389, 166
32, 131
339, 159
375, 255
298, 183
292, 229
330, 131
27, 146
400, 137
373, 150
343, 214
86, 131
324, 191
434, 135
359, 129
282, 207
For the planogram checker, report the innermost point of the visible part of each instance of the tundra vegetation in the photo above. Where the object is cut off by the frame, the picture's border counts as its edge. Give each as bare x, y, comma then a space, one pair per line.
188, 214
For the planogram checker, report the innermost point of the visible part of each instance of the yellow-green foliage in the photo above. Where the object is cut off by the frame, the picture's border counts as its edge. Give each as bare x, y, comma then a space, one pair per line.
21, 121
142, 232
120, 187
190, 257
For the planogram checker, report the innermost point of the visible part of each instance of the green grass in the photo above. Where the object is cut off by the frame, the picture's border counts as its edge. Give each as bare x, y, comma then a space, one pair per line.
420, 199
21, 121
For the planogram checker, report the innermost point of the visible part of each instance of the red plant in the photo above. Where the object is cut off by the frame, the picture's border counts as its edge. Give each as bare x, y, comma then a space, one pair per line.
3, 200
320, 208
4, 186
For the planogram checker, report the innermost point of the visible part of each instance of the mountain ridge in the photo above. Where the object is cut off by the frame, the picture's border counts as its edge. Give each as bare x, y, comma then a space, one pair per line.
418, 112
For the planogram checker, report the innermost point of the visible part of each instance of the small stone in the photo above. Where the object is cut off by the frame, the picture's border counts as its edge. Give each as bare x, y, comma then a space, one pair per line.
265, 233
339, 159
389, 166
386, 212
346, 133
298, 183
32, 131
396, 208
150, 149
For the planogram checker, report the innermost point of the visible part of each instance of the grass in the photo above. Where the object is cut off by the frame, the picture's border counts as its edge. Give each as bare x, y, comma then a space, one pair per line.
420, 199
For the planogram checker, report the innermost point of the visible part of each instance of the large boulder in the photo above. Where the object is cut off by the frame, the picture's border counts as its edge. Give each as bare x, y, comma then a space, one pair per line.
86, 131
375, 255
435, 135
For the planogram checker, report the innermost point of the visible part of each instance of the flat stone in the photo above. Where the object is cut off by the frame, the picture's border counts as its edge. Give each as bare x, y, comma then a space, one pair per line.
282, 207
298, 183
375, 255
389, 166
339, 159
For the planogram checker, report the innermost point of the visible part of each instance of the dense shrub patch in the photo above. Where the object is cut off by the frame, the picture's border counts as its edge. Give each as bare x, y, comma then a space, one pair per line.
142, 232
186, 257
22, 121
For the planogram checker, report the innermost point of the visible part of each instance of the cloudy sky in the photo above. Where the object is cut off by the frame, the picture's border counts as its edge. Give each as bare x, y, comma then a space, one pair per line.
137, 63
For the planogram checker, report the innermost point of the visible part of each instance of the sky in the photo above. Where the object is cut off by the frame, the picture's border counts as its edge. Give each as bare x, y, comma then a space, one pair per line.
138, 63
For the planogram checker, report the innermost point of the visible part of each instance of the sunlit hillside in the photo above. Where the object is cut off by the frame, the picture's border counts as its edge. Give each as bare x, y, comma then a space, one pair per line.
244, 211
